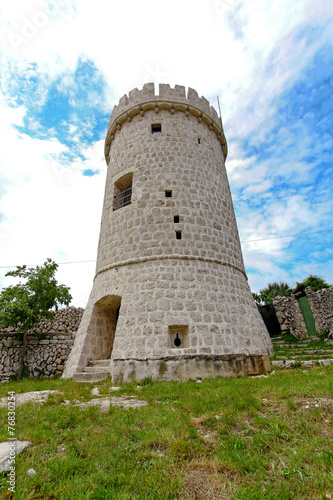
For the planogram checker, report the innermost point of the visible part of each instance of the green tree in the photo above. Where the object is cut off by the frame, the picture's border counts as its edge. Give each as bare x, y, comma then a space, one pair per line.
256, 297
25, 304
272, 290
315, 282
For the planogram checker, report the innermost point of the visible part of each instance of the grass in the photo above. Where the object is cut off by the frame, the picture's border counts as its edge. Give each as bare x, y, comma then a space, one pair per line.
245, 438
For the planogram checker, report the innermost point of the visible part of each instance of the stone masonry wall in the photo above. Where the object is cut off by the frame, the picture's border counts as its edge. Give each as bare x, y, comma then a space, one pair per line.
49, 345
290, 316
170, 260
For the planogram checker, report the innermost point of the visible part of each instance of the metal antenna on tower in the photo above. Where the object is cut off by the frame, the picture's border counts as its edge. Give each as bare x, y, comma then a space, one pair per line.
218, 102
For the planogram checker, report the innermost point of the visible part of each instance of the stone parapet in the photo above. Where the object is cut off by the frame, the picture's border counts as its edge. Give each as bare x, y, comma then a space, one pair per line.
138, 102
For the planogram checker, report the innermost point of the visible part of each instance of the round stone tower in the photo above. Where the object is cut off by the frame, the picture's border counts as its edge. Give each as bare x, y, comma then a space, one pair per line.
170, 298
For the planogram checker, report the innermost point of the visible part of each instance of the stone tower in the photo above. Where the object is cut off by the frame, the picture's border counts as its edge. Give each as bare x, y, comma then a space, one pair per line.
170, 298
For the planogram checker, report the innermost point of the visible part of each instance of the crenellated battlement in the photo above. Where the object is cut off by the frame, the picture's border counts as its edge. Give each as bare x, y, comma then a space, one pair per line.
171, 99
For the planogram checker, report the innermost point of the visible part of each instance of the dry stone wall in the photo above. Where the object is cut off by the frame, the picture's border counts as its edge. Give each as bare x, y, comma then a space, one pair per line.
321, 303
290, 316
49, 345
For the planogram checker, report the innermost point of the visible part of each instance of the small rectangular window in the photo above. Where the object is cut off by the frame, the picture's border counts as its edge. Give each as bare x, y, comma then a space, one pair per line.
178, 235
156, 128
176, 219
168, 194
199, 140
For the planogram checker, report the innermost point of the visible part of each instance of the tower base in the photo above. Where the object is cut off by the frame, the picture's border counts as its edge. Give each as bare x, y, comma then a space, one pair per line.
188, 367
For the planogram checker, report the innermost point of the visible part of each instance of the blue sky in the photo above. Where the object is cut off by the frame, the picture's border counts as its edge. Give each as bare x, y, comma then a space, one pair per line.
64, 67
66, 109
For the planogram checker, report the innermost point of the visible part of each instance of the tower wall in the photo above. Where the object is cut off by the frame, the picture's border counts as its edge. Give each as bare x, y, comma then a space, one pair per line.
171, 259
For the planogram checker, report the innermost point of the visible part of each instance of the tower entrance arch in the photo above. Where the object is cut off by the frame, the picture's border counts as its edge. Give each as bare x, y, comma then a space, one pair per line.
105, 317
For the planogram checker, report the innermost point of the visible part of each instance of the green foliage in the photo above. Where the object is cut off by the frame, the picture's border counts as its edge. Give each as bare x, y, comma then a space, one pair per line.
25, 304
272, 290
282, 289
315, 282
256, 297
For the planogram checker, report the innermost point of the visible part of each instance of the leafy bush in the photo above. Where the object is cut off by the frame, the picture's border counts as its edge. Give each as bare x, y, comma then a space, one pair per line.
315, 282
266, 295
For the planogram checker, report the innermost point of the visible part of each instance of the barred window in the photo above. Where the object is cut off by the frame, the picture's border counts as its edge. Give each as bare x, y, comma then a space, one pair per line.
123, 191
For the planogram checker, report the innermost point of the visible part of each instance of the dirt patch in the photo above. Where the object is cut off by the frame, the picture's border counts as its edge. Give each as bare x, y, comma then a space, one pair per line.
307, 403
206, 480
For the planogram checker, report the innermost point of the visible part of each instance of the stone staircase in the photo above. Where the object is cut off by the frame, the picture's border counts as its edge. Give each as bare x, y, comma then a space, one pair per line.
97, 370
301, 353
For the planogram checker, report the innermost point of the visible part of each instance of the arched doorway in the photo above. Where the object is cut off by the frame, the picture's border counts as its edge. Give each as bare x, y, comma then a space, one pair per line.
105, 314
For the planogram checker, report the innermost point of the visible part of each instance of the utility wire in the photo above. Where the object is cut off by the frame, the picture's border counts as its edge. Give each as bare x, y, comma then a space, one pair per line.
242, 241
287, 236
58, 263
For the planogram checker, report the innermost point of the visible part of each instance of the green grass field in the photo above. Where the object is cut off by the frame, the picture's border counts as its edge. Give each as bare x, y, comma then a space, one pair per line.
245, 438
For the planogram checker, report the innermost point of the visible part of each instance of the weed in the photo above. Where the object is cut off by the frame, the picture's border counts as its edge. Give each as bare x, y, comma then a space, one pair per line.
146, 381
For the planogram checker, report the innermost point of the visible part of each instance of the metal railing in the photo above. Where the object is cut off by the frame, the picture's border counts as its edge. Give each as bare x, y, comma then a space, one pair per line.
122, 199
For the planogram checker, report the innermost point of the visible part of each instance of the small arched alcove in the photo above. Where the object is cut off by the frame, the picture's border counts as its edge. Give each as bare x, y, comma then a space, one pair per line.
106, 312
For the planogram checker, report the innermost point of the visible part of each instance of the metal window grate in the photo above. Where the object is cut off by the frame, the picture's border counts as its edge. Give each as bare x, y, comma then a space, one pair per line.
122, 199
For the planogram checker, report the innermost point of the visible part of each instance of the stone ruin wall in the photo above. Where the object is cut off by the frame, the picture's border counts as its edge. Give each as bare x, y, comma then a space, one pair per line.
49, 345
321, 303
290, 316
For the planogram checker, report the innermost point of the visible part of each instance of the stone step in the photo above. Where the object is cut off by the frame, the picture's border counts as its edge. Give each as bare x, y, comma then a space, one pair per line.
305, 363
304, 356
96, 369
293, 346
91, 377
295, 340
303, 353
99, 362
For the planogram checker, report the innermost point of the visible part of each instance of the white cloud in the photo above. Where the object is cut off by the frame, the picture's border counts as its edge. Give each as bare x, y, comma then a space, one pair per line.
248, 53
193, 45
50, 210
258, 187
